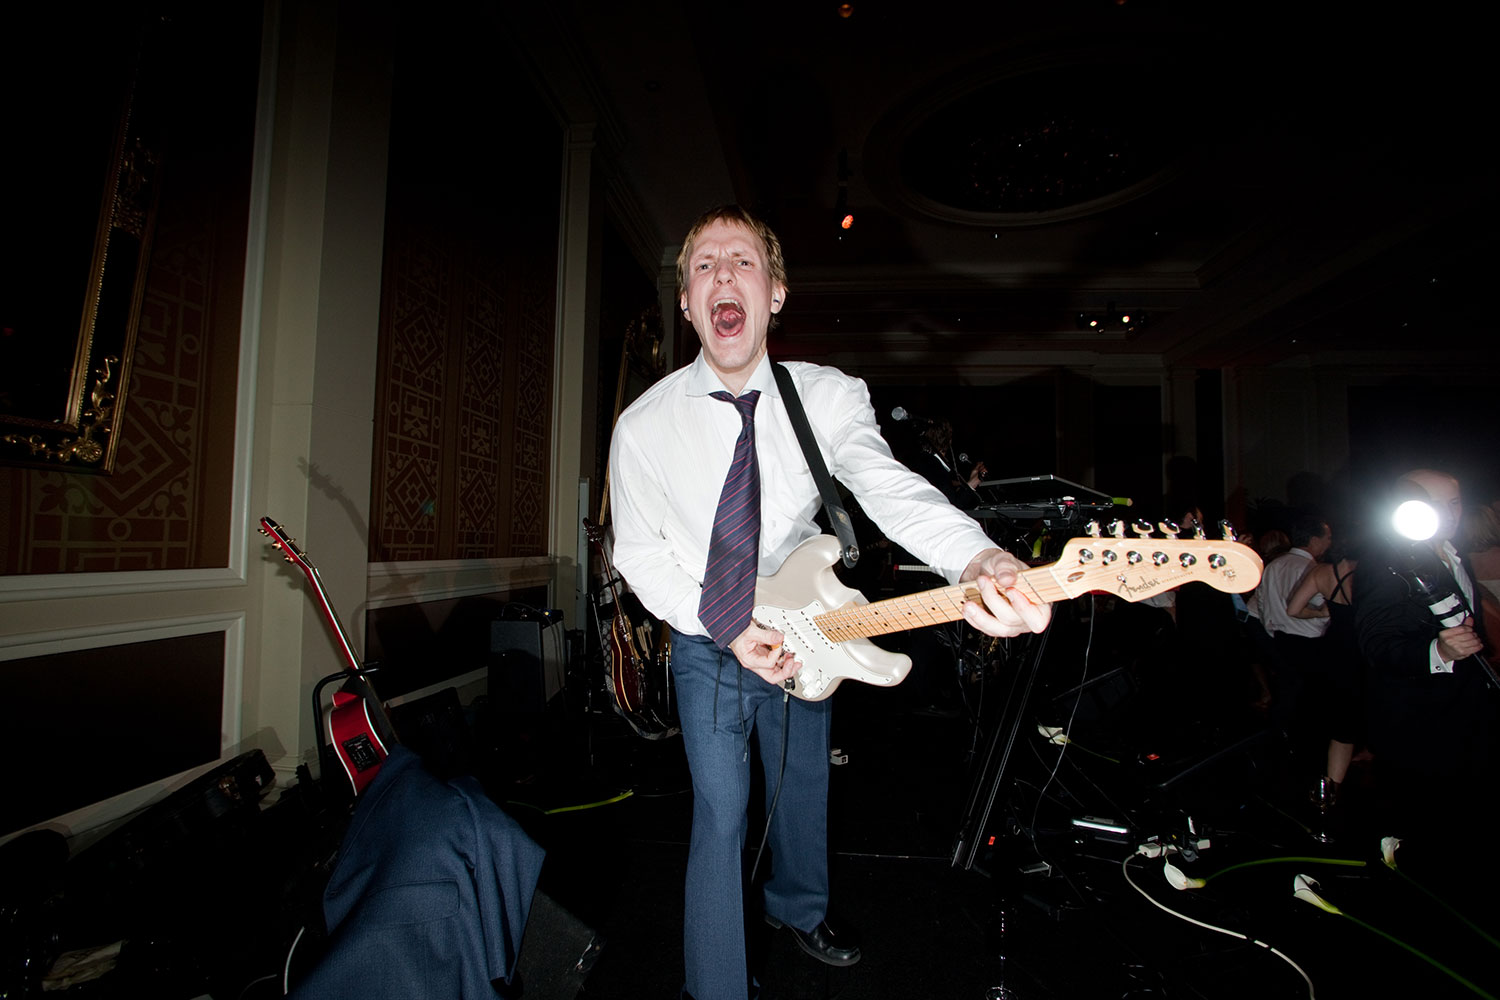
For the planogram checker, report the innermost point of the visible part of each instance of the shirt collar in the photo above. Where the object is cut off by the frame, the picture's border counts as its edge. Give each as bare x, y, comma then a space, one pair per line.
701, 379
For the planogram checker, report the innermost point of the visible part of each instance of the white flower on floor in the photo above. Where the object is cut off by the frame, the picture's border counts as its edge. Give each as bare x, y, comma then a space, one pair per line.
1178, 879
1388, 847
1305, 887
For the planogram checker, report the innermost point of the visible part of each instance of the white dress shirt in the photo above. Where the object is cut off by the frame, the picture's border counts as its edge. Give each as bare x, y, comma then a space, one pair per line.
1277, 582
671, 451
1455, 565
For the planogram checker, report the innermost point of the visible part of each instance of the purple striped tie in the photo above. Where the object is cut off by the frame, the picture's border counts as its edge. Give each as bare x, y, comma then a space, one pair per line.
734, 547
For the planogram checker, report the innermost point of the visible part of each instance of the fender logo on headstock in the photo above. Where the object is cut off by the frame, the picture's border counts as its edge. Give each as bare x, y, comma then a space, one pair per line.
1144, 587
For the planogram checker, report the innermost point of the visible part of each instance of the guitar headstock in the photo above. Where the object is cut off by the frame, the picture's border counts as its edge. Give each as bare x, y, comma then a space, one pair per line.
1134, 569
283, 543
595, 532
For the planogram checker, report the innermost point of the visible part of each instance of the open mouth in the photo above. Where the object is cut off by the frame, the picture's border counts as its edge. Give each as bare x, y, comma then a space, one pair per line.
728, 317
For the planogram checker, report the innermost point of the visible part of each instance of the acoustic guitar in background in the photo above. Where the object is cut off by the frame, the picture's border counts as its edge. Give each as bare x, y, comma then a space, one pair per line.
355, 732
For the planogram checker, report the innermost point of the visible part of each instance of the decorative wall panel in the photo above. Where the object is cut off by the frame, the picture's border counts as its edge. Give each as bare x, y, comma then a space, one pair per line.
464, 391
413, 377
481, 420
528, 481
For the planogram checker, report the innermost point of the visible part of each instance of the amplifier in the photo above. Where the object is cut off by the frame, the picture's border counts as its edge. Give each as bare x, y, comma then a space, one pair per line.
526, 665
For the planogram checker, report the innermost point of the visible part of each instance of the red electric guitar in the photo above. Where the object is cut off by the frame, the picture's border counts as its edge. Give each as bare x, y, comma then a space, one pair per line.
355, 731
639, 662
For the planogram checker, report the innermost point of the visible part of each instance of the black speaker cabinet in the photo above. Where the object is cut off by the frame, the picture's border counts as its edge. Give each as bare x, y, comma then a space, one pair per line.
526, 669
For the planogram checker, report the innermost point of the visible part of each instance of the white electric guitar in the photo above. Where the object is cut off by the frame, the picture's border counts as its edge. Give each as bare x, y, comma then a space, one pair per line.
827, 625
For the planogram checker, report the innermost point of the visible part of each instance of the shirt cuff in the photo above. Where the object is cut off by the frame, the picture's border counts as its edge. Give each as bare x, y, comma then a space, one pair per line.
1435, 663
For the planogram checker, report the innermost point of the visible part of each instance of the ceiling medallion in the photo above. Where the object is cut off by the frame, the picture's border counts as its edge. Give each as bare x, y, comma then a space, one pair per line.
1021, 150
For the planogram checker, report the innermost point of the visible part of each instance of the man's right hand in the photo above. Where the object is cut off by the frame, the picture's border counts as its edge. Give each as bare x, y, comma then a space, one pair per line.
759, 650
1458, 642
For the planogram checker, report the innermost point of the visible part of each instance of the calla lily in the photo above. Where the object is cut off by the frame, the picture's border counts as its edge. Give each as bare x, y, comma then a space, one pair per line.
1388, 847
1304, 887
1178, 879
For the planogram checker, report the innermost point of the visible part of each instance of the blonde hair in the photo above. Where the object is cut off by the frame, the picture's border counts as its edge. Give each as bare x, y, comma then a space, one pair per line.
734, 215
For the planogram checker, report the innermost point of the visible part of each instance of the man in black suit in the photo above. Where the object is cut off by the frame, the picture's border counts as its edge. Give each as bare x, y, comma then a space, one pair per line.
1432, 710
933, 459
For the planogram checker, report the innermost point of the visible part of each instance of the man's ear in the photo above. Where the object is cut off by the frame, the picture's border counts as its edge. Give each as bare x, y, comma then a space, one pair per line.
778, 298
682, 304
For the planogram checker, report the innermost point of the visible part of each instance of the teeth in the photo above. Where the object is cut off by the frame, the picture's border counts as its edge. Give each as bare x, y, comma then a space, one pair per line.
727, 302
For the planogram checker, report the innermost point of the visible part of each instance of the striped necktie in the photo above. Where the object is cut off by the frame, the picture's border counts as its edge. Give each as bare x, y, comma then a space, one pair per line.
734, 547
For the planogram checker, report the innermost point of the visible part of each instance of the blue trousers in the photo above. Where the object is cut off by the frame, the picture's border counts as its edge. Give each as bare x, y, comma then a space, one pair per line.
720, 705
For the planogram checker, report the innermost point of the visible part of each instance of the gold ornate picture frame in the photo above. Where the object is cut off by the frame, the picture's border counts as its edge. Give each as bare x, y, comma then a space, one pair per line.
65, 357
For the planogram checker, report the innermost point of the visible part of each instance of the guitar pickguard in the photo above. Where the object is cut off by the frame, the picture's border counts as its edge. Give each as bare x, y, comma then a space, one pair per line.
804, 587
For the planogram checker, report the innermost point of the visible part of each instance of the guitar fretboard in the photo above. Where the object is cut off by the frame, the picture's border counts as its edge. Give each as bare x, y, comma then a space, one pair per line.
931, 607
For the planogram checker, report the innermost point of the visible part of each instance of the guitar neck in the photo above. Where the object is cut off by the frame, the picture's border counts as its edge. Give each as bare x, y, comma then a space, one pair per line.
351, 659
1132, 569
284, 544
930, 607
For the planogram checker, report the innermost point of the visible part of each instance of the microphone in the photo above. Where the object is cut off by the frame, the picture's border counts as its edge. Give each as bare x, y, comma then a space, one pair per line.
901, 413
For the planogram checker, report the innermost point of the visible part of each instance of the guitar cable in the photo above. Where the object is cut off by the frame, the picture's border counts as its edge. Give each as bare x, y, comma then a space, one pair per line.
786, 716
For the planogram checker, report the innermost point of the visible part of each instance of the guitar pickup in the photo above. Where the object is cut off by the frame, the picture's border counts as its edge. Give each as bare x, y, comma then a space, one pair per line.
837, 756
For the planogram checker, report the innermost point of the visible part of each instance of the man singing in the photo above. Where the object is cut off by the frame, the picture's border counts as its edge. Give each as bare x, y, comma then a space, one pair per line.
711, 488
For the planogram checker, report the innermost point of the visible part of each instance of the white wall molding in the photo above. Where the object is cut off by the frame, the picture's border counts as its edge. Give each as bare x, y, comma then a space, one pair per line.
392, 584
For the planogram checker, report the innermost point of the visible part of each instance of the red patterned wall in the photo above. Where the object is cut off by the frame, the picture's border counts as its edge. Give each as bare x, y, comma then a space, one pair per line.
464, 383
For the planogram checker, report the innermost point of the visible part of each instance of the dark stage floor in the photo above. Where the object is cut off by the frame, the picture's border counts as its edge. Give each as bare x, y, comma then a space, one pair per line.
1046, 909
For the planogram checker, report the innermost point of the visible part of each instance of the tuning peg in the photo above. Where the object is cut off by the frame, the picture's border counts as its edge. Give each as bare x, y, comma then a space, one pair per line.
1092, 528
1117, 528
1198, 533
1169, 529
1227, 530
1142, 528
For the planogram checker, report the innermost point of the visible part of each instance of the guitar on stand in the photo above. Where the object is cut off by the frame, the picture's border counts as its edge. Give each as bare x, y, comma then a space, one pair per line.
638, 651
355, 732
639, 661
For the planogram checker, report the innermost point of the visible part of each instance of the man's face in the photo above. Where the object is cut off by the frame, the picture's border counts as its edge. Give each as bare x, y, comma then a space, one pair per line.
1319, 545
730, 299
1442, 490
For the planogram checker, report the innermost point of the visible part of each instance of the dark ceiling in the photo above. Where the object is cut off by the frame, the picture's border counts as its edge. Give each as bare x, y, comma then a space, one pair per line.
1258, 182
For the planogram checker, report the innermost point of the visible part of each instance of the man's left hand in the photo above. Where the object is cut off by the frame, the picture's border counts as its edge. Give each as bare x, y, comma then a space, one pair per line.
1006, 611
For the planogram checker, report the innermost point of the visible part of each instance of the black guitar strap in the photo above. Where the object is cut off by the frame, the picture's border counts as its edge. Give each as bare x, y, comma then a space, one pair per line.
837, 515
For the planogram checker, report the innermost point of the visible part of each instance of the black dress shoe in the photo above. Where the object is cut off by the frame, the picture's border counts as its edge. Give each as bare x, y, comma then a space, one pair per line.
823, 943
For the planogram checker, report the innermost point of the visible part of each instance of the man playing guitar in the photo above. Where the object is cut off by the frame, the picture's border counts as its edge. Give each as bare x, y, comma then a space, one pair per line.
679, 465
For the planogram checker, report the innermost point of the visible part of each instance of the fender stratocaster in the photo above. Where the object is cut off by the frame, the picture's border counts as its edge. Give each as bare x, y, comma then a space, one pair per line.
827, 625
